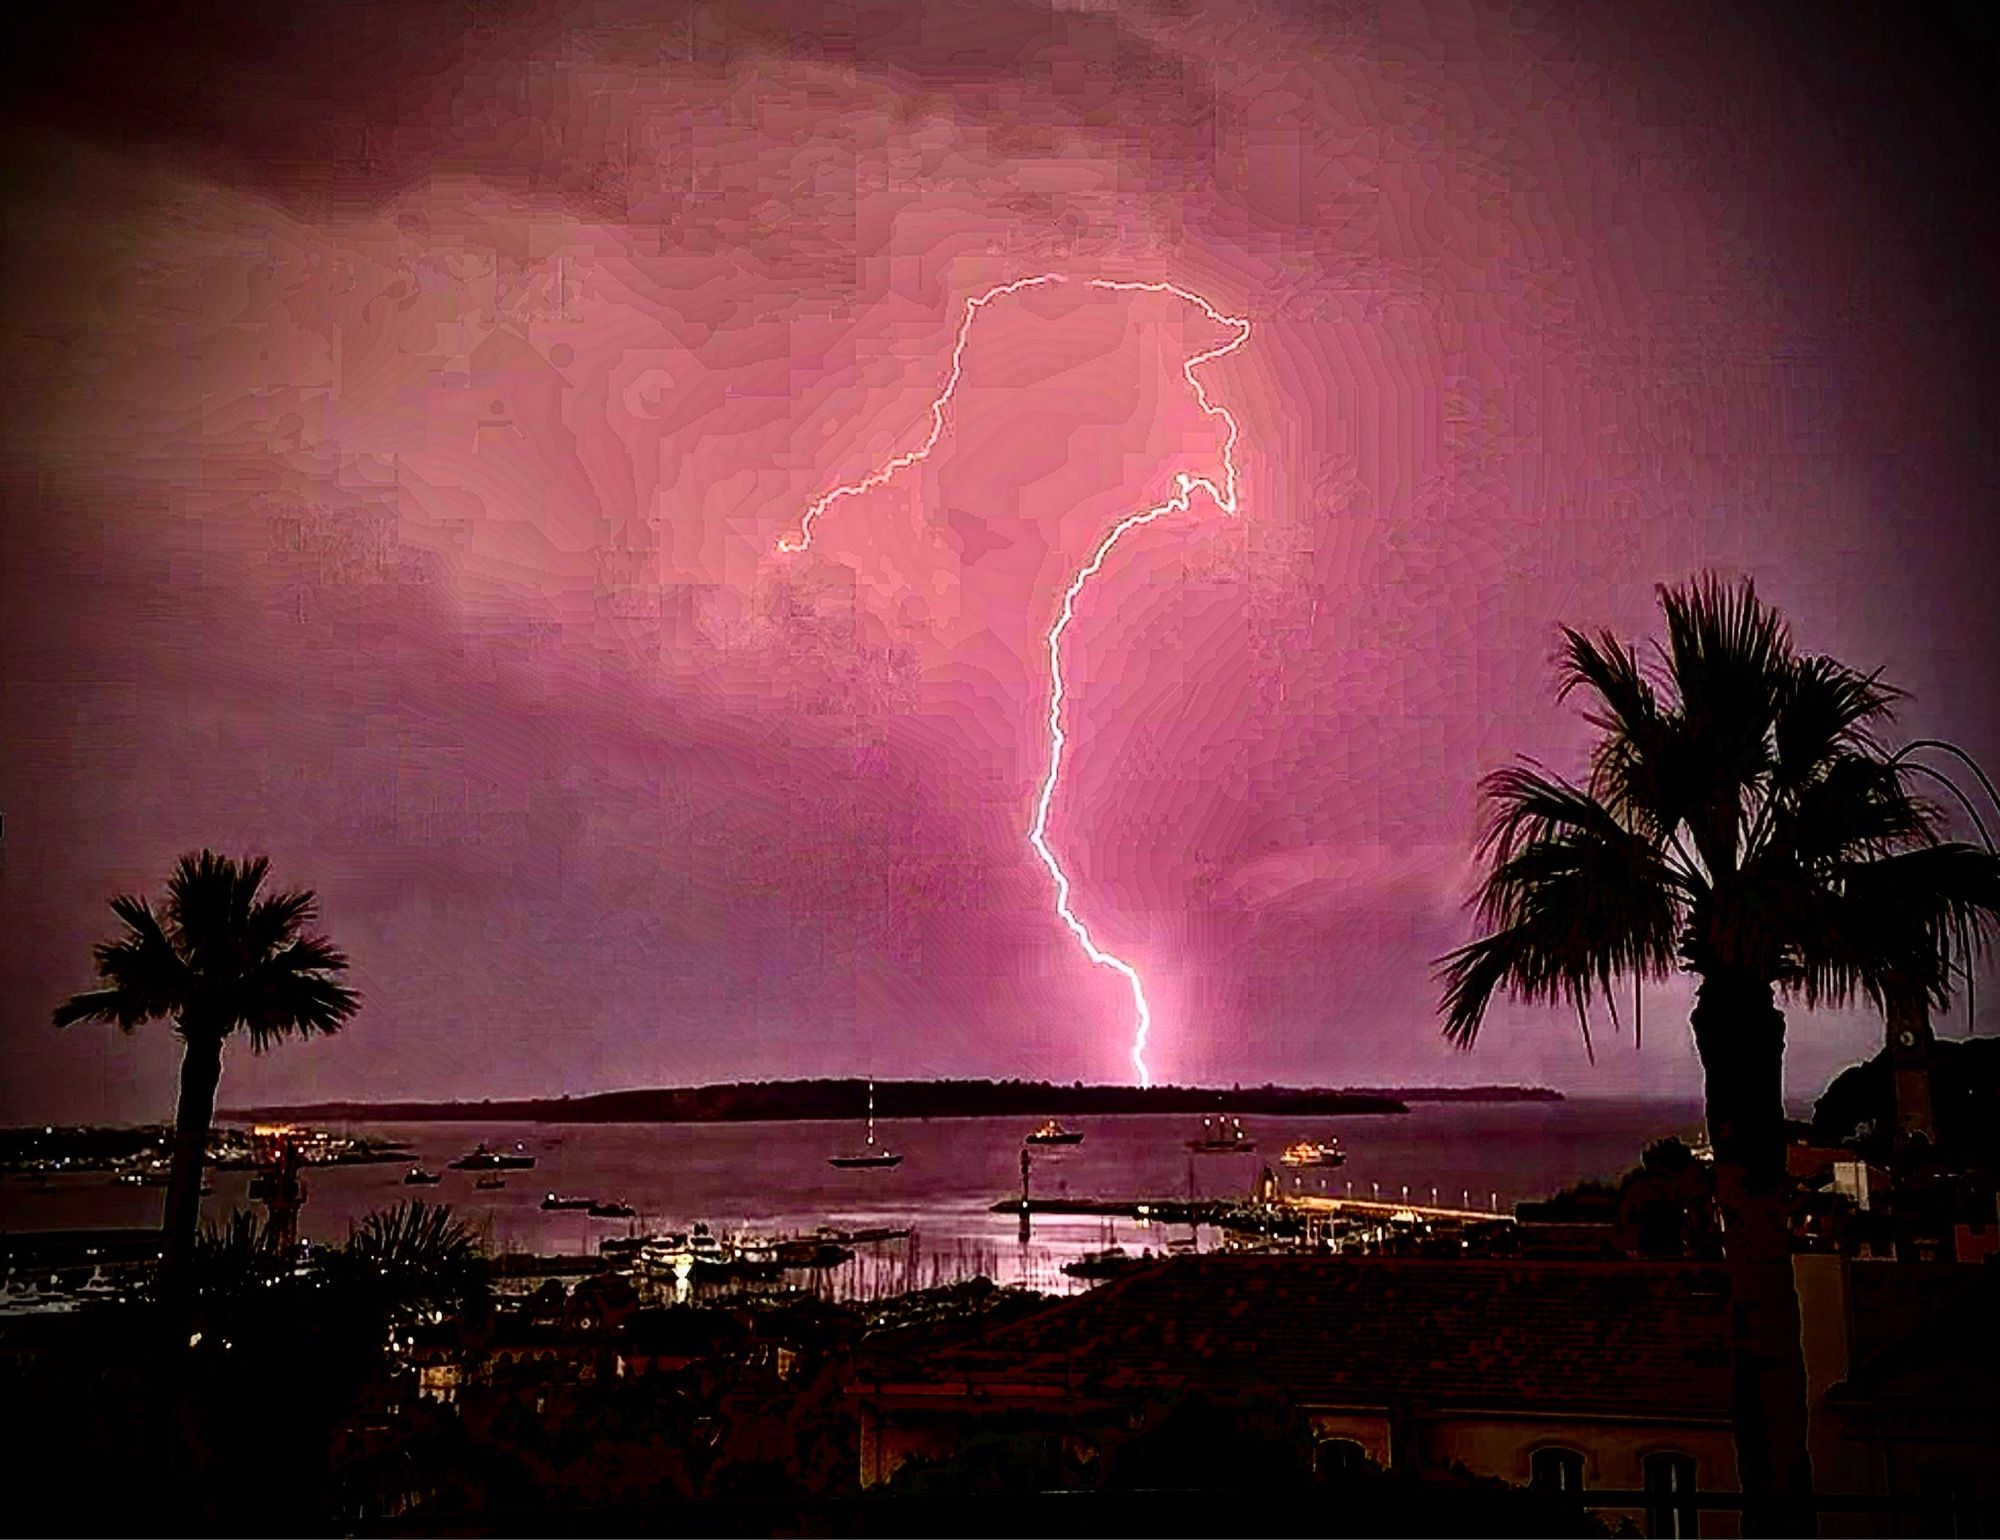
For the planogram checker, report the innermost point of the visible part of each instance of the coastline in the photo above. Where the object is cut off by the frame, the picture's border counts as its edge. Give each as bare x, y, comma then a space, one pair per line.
835, 1100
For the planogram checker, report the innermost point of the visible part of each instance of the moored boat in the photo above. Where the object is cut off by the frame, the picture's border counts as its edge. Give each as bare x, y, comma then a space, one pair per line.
863, 1162
1222, 1136
484, 1159
1314, 1152
1053, 1132
612, 1211
555, 1202
871, 1157
1111, 1262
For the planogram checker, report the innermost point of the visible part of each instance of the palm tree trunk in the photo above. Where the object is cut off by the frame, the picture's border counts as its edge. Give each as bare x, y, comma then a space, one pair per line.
201, 1070
1740, 1035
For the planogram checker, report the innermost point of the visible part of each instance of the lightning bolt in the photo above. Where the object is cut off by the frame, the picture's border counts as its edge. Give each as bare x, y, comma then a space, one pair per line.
1185, 488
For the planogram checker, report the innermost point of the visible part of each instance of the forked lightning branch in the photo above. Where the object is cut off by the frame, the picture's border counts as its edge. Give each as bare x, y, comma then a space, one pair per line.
1185, 488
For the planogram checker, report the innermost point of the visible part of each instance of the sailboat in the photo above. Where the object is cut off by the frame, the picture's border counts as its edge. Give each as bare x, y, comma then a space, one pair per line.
872, 1156
1225, 1137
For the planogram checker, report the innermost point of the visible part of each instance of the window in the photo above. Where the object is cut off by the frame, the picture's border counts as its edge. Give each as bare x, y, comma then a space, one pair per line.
1336, 1459
1950, 1501
1670, 1510
1555, 1470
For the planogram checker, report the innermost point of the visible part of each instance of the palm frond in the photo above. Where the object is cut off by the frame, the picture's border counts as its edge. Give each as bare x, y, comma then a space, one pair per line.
1568, 912
1966, 804
1636, 770
288, 994
281, 918
414, 1256
145, 975
1527, 804
1627, 701
1828, 710
1853, 806
1473, 974
110, 1005
1654, 783
199, 895
1729, 657
1903, 921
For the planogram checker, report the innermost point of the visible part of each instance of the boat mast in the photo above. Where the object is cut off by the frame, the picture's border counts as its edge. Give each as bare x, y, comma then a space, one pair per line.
871, 1114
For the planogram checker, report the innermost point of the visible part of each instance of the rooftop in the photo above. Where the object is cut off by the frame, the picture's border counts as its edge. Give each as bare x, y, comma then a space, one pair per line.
1634, 1338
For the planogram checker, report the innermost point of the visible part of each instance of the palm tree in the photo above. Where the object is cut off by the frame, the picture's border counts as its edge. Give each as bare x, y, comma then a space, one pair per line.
216, 958
414, 1259
1740, 821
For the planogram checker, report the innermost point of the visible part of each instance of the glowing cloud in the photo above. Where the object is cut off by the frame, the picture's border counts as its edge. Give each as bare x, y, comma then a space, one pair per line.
1185, 487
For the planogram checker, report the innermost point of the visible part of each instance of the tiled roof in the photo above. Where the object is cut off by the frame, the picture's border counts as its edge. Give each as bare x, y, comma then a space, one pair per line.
1639, 1338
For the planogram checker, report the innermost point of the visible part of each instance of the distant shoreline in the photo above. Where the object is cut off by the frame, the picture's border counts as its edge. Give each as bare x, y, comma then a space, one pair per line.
785, 1101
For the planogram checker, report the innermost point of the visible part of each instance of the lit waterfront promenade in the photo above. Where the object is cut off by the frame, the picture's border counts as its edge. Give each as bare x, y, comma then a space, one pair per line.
1388, 1208
1218, 1211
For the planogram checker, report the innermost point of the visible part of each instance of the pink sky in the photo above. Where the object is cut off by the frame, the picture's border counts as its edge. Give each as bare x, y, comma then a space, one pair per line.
402, 416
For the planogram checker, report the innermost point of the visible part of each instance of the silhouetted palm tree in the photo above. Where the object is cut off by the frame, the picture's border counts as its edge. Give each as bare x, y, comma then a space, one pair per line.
216, 959
1740, 821
413, 1259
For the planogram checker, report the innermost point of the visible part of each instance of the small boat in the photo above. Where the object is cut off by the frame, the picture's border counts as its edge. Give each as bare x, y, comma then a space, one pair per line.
553, 1202
1222, 1136
612, 1211
484, 1159
417, 1176
144, 1178
1314, 1152
1053, 1132
99, 1287
870, 1158
1112, 1262
489, 1183
161, 1179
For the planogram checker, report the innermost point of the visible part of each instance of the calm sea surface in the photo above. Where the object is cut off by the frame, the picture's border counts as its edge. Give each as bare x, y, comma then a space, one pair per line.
773, 1177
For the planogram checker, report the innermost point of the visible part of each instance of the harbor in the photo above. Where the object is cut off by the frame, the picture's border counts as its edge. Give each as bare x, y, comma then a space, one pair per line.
950, 1209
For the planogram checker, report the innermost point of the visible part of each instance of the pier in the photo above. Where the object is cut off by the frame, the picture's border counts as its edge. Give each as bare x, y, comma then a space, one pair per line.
1216, 1211
1172, 1211
1389, 1208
